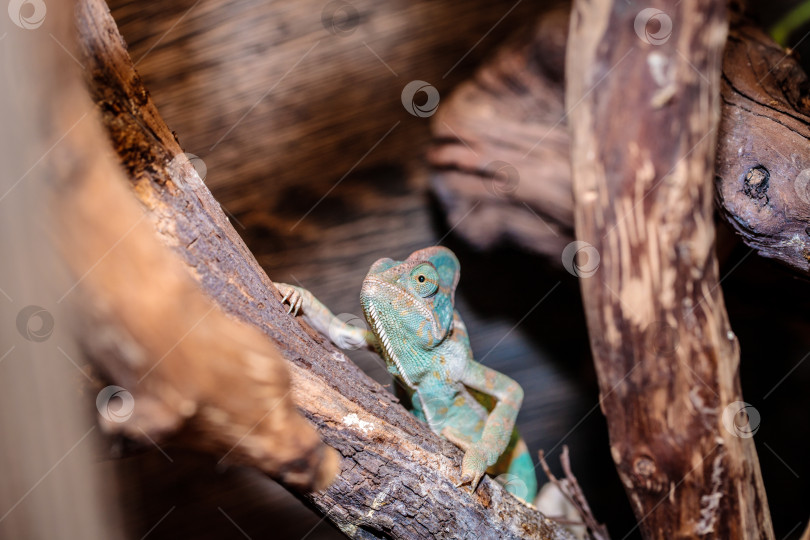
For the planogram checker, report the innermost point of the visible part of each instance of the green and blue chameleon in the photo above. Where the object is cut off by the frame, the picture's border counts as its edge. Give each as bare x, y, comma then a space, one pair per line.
409, 306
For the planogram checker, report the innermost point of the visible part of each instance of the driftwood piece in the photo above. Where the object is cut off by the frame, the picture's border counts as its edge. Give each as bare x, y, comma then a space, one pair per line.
512, 112
500, 149
642, 148
396, 477
763, 153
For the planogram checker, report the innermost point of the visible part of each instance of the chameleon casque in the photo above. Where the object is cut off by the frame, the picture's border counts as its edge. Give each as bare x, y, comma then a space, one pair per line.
409, 306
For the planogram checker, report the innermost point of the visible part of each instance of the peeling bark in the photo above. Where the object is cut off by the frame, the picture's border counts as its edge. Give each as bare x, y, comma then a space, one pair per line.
644, 111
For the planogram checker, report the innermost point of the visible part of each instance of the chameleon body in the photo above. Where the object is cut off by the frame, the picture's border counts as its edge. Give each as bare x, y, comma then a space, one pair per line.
409, 306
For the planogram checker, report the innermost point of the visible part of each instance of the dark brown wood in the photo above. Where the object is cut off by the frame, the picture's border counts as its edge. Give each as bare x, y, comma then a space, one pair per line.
512, 111
644, 111
396, 477
763, 154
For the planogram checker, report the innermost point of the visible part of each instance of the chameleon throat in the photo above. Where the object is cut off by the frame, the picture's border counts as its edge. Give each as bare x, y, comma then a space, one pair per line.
386, 343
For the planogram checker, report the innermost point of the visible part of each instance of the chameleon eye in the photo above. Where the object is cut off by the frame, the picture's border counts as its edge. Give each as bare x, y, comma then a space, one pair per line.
424, 280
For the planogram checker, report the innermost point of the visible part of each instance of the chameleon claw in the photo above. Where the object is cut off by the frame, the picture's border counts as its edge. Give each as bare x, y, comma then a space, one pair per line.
469, 480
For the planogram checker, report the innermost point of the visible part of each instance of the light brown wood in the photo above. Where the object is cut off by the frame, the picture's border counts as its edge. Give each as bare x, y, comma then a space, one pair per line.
644, 108
144, 322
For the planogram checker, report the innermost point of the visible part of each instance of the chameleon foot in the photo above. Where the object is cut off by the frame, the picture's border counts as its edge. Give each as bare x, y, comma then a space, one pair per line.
475, 461
292, 296
474, 466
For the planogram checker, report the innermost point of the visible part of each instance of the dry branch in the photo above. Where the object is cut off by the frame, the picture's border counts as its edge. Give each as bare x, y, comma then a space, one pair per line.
763, 154
570, 488
396, 477
513, 111
642, 147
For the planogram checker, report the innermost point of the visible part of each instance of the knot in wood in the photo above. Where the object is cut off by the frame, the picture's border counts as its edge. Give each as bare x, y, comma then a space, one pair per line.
646, 474
644, 467
661, 339
756, 182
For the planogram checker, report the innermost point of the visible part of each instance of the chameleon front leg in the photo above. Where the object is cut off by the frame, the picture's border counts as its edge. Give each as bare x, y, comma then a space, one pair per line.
318, 316
498, 428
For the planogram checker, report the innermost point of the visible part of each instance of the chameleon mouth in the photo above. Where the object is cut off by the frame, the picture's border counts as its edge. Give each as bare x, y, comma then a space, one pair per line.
374, 317
367, 292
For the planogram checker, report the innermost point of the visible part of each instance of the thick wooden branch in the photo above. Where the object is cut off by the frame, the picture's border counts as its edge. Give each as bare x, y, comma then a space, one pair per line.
644, 112
512, 111
396, 477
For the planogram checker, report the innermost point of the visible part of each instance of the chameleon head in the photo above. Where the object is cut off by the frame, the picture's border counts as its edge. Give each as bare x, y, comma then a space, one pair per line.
409, 304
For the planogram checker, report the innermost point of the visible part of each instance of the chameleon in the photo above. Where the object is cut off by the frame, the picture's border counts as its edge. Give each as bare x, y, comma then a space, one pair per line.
410, 309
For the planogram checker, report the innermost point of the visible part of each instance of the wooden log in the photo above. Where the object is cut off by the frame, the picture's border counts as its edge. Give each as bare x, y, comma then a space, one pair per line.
644, 107
512, 111
397, 479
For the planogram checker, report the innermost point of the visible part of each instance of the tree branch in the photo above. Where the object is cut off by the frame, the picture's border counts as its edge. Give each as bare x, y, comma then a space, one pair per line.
644, 110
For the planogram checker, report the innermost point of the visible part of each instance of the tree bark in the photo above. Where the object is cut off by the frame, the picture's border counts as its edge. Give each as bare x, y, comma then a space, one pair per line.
396, 477
512, 111
763, 154
644, 112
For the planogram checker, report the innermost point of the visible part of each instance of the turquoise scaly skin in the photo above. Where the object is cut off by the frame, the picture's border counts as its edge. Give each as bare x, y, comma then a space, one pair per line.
409, 306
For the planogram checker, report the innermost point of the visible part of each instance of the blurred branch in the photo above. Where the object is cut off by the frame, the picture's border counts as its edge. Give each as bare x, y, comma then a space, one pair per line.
569, 486
141, 318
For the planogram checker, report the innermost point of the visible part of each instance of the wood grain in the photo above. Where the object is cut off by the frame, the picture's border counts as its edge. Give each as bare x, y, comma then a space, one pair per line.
229, 77
643, 148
